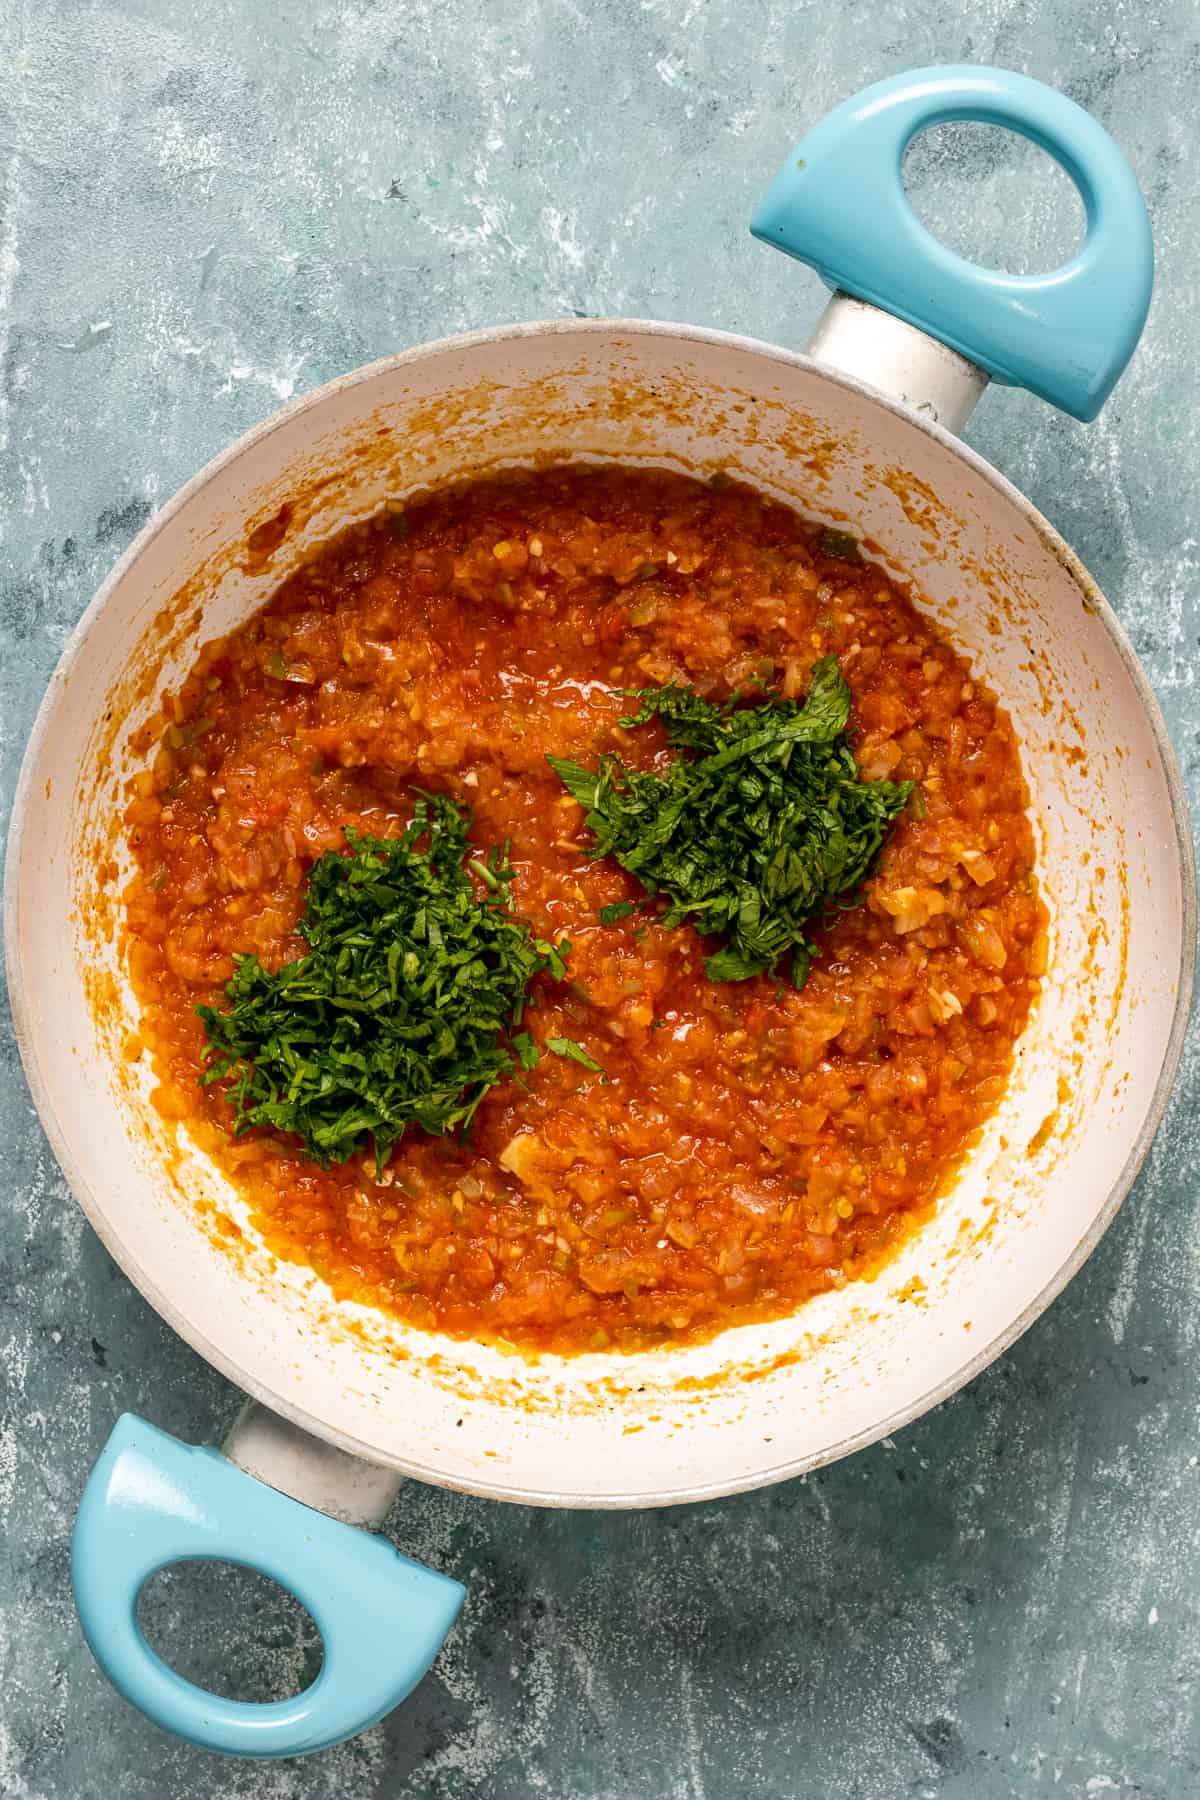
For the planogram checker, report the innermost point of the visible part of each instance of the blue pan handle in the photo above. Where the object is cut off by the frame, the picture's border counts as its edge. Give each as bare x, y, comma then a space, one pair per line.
152, 1501
839, 204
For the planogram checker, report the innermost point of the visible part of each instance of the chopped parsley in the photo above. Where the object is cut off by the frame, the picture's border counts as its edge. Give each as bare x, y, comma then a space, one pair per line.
839, 546
762, 826
616, 909
575, 1052
405, 1010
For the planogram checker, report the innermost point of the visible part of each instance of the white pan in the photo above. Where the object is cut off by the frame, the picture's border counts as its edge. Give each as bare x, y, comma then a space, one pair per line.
862, 430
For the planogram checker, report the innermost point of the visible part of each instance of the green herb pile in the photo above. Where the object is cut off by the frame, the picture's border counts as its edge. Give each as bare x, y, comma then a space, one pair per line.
406, 1009
763, 826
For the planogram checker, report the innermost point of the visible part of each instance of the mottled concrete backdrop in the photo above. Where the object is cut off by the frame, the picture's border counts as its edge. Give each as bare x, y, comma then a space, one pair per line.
206, 208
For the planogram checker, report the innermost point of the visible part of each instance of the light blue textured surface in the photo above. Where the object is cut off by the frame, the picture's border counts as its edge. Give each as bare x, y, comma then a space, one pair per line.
203, 210
153, 1502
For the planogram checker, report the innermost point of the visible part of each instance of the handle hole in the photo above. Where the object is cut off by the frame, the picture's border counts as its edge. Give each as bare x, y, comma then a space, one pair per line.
231, 1630
994, 197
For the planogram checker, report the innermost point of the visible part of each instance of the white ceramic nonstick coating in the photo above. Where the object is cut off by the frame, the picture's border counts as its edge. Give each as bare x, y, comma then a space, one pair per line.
1094, 1065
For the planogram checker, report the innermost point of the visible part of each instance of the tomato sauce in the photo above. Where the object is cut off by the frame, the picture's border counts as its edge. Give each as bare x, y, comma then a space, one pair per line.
749, 1145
